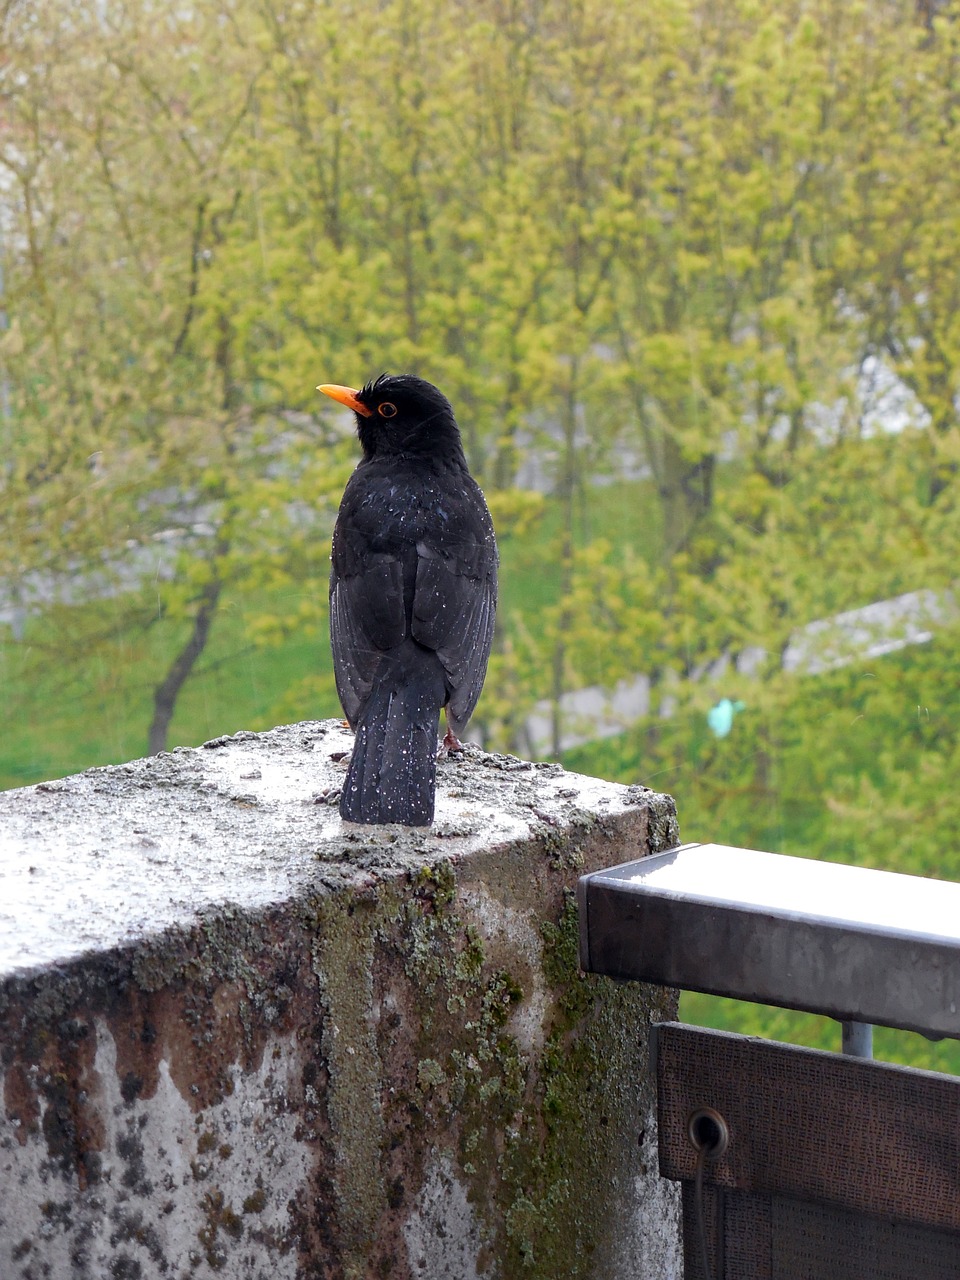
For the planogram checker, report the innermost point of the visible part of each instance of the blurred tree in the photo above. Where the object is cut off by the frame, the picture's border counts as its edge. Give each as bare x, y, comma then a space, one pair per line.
139, 457
656, 241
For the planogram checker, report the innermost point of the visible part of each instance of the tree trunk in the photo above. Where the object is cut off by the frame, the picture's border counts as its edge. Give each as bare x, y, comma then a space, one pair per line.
685, 489
165, 694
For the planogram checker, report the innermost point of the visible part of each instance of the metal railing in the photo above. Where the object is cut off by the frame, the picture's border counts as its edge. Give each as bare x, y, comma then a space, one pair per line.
795, 1162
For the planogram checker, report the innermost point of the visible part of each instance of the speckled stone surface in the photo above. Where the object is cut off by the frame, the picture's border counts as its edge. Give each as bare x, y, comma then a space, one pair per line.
240, 1037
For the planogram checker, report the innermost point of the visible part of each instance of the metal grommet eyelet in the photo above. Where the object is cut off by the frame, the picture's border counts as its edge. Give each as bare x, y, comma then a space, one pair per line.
708, 1132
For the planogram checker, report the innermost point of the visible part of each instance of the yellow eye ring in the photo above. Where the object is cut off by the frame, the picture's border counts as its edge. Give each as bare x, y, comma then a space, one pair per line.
387, 410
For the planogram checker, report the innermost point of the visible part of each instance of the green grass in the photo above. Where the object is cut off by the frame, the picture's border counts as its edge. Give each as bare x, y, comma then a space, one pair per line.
64, 718
816, 1032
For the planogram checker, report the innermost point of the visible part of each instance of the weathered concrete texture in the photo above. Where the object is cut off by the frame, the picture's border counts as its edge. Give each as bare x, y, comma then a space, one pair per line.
240, 1038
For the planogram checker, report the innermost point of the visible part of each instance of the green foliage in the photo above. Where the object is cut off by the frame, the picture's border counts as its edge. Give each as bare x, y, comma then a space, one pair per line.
849, 765
661, 230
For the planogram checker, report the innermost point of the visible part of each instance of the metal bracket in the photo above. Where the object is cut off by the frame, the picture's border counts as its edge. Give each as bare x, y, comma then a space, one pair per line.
859, 945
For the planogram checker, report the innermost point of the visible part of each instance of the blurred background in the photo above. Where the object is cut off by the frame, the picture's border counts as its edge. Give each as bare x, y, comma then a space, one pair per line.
687, 269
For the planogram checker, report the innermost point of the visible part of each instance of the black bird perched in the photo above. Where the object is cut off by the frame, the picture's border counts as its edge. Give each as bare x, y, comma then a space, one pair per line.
413, 592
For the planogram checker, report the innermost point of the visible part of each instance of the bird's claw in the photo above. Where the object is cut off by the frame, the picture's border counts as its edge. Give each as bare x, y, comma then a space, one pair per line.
329, 795
451, 745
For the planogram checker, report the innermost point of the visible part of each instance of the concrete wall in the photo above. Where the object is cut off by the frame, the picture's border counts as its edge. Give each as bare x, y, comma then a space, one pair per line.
240, 1038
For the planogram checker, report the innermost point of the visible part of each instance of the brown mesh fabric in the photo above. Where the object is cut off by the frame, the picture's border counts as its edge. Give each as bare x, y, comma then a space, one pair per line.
835, 1167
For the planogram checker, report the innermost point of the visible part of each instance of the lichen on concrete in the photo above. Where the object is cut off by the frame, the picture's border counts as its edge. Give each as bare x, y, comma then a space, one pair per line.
342, 962
240, 1038
538, 1113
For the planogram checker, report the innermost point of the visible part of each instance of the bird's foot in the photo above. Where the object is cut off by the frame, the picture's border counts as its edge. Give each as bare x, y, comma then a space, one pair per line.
329, 795
451, 745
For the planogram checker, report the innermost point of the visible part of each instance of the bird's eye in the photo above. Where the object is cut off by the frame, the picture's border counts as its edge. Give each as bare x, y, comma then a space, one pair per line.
387, 410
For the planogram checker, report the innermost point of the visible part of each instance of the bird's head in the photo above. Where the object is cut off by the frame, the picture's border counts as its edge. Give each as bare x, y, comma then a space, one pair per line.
401, 414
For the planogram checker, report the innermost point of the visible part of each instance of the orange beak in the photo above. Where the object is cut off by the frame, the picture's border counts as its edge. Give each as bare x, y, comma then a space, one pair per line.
345, 395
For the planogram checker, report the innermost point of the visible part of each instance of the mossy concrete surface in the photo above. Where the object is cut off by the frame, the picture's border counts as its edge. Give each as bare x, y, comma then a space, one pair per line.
241, 1038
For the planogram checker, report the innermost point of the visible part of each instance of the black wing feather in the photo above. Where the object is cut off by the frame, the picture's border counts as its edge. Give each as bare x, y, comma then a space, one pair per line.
453, 613
366, 620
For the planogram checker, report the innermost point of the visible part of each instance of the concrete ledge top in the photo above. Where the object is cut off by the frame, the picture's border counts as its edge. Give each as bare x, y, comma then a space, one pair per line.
106, 857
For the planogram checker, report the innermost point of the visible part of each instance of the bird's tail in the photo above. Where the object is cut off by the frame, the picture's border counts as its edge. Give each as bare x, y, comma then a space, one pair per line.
392, 772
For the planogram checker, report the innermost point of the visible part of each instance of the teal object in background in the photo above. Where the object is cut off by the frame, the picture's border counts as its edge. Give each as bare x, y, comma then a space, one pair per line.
720, 718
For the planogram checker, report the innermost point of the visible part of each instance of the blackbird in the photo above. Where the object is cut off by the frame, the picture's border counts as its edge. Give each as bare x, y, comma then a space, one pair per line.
413, 592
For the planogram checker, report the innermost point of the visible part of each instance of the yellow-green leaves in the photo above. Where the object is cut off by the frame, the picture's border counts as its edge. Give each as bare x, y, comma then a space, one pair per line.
660, 238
